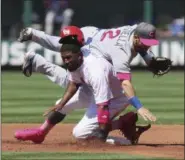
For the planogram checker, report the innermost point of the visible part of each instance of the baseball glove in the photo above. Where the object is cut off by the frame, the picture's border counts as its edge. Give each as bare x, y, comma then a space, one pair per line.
128, 127
160, 65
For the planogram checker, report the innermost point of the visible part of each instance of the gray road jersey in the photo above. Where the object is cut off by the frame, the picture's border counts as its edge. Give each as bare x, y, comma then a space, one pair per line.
52, 42
112, 44
115, 46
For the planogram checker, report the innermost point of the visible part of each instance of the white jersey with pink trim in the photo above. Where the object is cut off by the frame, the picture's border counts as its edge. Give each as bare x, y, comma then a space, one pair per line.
103, 82
115, 46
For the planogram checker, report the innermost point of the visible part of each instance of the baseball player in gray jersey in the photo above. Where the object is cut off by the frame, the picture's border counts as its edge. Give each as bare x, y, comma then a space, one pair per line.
118, 45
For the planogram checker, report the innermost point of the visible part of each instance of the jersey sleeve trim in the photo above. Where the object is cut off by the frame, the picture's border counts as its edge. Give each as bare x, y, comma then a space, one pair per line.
124, 76
103, 104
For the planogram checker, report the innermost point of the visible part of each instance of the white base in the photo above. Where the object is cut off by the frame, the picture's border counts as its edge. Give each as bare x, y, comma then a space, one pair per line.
118, 141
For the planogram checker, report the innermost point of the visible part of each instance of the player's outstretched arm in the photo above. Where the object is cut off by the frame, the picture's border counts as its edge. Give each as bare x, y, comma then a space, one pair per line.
147, 56
157, 65
69, 92
40, 37
134, 101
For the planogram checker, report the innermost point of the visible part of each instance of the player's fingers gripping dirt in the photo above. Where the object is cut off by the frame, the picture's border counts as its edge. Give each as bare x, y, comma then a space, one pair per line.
25, 35
146, 114
160, 65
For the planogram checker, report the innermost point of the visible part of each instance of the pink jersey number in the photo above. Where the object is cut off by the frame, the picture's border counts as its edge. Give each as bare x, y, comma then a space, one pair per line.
111, 34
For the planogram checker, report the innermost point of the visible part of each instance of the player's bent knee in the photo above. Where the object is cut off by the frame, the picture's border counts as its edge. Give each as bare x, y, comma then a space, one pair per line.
84, 134
76, 133
80, 133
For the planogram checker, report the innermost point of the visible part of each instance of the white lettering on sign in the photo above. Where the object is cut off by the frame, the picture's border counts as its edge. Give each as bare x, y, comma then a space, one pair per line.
52, 56
177, 54
136, 61
165, 49
34, 47
4, 53
13, 53
155, 50
17, 51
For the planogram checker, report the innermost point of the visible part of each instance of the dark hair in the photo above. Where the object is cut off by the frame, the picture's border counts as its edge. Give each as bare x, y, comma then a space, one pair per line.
74, 48
70, 40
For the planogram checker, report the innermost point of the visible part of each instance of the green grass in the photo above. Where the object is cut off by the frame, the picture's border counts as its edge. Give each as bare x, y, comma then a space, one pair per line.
25, 99
72, 156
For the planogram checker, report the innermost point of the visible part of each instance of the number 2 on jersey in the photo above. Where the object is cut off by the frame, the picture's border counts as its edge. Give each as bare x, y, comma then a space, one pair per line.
110, 34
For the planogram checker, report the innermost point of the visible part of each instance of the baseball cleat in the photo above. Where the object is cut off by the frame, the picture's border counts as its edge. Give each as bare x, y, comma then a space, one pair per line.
25, 35
128, 127
27, 64
140, 130
34, 135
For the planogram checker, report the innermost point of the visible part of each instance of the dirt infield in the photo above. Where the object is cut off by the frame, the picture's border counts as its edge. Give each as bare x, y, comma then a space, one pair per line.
159, 141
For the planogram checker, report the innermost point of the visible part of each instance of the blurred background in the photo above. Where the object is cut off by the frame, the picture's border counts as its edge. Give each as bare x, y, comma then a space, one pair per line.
25, 99
168, 16
51, 15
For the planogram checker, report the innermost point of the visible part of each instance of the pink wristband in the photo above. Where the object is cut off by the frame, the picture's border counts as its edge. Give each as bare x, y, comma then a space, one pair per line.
103, 116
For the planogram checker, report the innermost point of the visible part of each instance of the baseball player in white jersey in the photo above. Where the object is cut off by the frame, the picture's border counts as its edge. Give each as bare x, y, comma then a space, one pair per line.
106, 87
118, 45
99, 75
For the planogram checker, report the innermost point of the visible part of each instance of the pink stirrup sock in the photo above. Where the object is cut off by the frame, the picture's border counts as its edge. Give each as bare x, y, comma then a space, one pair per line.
46, 126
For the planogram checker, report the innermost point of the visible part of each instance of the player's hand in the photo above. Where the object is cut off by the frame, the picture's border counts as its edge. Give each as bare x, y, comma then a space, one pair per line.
25, 35
49, 110
53, 108
146, 114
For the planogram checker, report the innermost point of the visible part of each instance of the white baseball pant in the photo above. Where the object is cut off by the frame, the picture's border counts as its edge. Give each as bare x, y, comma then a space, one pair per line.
89, 123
